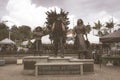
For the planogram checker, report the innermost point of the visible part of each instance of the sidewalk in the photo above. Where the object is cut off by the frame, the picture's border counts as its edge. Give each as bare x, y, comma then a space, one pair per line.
15, 72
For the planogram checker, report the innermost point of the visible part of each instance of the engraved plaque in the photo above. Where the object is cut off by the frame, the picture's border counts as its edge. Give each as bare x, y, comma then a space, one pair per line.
58, 69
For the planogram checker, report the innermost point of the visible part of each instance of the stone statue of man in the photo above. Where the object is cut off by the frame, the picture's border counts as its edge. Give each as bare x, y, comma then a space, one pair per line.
38, 33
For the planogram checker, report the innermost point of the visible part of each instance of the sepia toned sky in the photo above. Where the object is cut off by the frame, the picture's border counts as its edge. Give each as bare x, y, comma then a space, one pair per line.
32, 12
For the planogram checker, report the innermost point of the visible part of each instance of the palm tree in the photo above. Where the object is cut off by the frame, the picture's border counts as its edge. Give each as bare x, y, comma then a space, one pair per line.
110, 25
98, 27
105, 31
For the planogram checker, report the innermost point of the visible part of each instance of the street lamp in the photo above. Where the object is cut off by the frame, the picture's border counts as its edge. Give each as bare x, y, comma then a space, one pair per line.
9, 36
8, 29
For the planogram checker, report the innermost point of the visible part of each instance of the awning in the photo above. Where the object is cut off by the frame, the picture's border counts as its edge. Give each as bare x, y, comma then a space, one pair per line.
7, 41
113, 37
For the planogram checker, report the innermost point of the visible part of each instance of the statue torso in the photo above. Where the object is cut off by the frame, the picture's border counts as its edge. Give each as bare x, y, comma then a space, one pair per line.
79, 29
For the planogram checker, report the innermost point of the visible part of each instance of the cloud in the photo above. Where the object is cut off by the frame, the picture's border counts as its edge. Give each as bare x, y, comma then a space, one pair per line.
23, 12
92, 10
10, 21
26, 12
103, 16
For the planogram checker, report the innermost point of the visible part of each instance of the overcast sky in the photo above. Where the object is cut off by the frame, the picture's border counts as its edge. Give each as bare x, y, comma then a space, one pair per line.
32, 12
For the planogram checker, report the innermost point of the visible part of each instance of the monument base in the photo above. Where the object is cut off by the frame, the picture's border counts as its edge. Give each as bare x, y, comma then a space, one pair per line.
44, 65
58, 69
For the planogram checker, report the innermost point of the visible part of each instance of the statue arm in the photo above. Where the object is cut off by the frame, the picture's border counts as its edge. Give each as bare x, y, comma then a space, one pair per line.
63, 27
74, 32
53, 26
86, 37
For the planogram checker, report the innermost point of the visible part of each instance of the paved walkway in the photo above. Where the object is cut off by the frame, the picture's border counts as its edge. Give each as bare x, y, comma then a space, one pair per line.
15, 72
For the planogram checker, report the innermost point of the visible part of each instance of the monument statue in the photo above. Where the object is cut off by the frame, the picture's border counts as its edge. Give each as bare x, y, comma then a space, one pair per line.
38, 33
80, 43
58, 33
57, 25
79, 32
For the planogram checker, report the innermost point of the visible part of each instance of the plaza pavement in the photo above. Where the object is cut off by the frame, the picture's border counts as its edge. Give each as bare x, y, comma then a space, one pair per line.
15, 72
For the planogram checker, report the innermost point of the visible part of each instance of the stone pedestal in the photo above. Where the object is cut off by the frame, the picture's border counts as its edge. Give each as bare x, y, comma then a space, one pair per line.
58, 69
58, 59
36, 58
85, 61
44, 65
30, 61
88, 64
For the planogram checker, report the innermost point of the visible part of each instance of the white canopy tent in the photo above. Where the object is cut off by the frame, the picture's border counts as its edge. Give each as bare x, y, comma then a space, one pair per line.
70, 42
7, 41
70, 35
93, 39
24, 43
45, 40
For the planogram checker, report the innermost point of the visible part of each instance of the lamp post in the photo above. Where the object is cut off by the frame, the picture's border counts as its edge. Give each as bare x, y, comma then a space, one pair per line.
8, 29
9, 35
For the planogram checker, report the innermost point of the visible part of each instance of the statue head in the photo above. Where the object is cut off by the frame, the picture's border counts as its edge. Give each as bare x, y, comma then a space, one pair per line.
38, 32
79, 22
38, 29
59, 18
